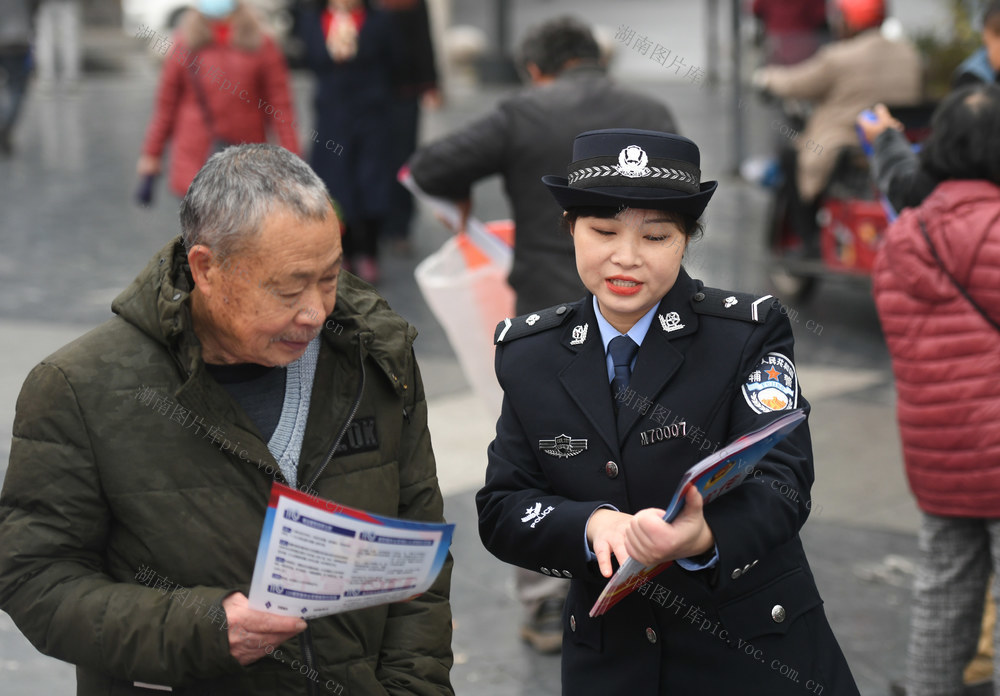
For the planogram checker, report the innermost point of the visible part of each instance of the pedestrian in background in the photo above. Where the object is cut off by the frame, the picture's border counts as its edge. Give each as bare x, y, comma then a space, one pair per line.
223, 83
937, 290
353, 50
527, 136
415, 86
58, 51
843, 78
793, 29
15, 52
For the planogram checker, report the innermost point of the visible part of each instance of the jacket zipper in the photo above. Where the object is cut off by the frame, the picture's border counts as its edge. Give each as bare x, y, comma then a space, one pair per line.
305, 641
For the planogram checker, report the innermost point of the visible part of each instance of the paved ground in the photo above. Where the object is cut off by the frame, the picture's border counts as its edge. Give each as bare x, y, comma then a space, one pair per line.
71, 240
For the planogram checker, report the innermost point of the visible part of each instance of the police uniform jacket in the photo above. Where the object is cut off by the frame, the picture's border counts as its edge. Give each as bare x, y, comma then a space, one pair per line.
713, 366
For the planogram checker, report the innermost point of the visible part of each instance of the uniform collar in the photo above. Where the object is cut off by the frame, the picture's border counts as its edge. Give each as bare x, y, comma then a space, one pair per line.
637, 333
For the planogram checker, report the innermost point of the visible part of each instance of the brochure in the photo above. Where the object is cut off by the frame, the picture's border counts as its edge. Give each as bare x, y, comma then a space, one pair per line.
718, 473
317, 557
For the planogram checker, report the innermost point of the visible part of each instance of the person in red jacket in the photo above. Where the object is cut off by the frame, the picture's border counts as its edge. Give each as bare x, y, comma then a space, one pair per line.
793, 29
937, 290
224, 82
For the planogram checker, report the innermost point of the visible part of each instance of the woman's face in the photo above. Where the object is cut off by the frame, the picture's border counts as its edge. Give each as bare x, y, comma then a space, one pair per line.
629, 262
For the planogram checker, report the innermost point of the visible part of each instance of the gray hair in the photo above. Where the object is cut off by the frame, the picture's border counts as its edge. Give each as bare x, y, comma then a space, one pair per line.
239, 187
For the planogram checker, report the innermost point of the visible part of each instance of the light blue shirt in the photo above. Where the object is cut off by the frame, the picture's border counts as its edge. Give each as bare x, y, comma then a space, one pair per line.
637, 333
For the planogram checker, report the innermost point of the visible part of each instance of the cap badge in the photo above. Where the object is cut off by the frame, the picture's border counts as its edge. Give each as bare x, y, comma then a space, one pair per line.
632, 162
579, 334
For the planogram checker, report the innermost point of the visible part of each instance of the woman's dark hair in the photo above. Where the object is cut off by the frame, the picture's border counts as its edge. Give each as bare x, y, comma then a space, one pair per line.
556, 42
690, 225
965, 136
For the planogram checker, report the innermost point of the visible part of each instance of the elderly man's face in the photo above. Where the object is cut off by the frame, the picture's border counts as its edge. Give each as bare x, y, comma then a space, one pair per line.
268, 300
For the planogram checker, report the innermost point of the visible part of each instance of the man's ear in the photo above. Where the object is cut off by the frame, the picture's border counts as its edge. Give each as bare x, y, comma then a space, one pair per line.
204, 270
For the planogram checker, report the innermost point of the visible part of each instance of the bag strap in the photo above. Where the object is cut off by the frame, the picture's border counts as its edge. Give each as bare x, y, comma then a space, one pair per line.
958, 286
203, 102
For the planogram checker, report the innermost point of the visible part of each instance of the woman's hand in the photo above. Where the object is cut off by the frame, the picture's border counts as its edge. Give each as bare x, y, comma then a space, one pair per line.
606, 535
883, 120
148, 165
650, 540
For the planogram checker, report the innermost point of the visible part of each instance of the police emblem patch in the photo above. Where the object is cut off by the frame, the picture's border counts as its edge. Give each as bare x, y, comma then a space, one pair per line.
773, 386
632, 162
563, 446
730, 301
530, 321
579, 334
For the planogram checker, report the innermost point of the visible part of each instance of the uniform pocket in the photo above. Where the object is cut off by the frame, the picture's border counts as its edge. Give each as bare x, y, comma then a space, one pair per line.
578, 627
771, 608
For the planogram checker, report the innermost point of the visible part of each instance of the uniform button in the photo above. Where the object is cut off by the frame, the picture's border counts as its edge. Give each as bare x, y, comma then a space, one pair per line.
561, 310
611, 469
545, 570
777, 613
736, 574
567, 574
651, 635
572, 623
698, 296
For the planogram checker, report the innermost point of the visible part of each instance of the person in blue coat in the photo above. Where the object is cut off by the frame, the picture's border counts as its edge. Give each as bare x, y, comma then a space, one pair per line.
352, 49
608, 400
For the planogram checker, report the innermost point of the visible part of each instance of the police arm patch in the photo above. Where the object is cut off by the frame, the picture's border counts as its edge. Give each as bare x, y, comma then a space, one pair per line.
772, 385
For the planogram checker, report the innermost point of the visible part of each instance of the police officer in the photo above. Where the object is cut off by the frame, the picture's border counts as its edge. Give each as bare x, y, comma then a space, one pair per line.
609, 400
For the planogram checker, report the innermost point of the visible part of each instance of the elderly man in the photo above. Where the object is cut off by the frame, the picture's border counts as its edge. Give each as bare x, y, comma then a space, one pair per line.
144, 453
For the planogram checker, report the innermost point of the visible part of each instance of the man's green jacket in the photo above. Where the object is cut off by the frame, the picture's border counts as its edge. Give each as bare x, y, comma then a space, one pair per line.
136, 493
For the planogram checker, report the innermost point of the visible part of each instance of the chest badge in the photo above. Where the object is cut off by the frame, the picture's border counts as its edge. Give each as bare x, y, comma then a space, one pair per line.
563, 446
671, 321
579, 334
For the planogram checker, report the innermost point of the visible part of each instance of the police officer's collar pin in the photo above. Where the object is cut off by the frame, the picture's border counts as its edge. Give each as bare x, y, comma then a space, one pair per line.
671, 321
579, 334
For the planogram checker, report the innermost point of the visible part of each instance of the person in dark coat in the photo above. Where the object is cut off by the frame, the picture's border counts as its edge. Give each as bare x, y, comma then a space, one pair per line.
531, 134
352, 49
526, 136
739, 611
15, 48
415, 85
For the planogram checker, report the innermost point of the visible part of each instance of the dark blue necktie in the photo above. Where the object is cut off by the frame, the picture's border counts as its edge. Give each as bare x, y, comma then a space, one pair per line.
622, 350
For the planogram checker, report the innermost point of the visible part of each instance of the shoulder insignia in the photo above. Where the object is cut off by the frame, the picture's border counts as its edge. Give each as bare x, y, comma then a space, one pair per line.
527, 324
732, 305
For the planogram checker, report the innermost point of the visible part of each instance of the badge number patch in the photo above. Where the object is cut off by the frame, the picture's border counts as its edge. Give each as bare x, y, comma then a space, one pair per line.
563, 446
773, 386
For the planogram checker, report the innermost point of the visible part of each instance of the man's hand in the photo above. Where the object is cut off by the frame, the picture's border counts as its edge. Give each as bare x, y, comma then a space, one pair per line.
883, 120
250, 631
650, 540
464, 208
